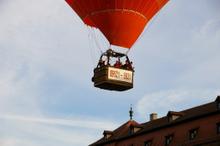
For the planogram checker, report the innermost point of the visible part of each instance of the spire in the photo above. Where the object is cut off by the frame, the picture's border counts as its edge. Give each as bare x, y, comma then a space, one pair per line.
131, 113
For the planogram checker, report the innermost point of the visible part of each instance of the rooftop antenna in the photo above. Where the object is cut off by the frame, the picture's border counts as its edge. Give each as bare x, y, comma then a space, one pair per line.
131, 113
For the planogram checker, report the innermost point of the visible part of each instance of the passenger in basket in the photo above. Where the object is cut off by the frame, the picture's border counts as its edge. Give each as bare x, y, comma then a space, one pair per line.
128, 65
101, 63
118, 64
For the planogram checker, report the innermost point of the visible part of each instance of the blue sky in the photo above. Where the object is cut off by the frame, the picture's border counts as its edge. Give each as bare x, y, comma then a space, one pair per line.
47, 59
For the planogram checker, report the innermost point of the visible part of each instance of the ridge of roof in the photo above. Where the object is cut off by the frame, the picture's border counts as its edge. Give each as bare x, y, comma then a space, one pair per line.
175, 113
194, 112
118, 131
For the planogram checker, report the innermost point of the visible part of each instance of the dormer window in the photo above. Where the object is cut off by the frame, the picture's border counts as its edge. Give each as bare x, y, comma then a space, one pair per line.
193, 133
168, 139
173, 115
134, 129
148, 143
218, 128
218, 105
218, 102
131, 130
107, 134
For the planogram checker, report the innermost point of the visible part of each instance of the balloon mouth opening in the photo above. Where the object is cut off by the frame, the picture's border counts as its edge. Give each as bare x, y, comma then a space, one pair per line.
119, 49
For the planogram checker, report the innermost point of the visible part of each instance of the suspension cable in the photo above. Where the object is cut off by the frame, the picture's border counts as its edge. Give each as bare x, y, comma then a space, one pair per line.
96, 40
91, 46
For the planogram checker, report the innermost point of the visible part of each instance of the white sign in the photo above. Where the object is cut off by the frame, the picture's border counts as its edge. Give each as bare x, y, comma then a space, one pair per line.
120, 75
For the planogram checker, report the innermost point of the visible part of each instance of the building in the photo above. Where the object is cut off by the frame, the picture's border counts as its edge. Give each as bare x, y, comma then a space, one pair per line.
197, 126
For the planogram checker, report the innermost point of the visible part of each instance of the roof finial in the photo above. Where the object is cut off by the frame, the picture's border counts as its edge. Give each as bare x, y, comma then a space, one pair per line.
131, 113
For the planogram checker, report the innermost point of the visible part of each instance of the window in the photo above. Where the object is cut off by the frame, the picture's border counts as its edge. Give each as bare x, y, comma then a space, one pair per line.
218, 128
173, 117
168, 139
148, 143
107, 134
218, 104
134, 129
131, 131
193, 133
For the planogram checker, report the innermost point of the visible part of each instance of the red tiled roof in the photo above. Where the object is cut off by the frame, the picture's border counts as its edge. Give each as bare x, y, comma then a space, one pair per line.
121, 131
194, 113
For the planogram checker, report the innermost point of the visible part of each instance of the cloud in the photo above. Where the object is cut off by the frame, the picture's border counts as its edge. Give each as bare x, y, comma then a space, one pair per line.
46, 66
41, 135
15, 142
42, 42
176, 99
76, 131
187, 55
31, 37
202, 57
85, 122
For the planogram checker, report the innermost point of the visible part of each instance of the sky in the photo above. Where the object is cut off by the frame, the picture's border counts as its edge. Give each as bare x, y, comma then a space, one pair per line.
47, 57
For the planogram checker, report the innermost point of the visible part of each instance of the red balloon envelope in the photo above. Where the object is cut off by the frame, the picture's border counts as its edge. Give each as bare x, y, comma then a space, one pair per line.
121, 21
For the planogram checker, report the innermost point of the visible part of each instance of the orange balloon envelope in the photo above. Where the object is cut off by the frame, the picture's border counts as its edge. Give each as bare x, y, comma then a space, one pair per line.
121, 21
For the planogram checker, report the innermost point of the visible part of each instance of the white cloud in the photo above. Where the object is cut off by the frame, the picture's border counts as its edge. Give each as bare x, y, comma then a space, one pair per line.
40, 39
175, 99
15, 142
76, 131
83, 122
47, 36
202, 57
41, 135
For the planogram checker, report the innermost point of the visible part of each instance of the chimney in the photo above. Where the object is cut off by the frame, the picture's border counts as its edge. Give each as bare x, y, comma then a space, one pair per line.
153, 116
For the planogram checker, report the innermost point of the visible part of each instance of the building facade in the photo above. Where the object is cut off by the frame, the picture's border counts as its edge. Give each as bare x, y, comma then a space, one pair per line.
197, 126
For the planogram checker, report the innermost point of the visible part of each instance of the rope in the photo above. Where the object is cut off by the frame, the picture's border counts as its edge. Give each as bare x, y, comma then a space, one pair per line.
127, 51
96, 41
91, 46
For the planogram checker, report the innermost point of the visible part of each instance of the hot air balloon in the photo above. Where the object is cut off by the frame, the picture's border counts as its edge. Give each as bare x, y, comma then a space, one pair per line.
121, 22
